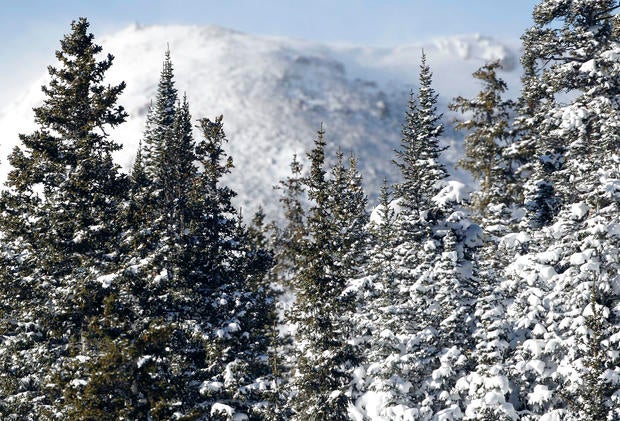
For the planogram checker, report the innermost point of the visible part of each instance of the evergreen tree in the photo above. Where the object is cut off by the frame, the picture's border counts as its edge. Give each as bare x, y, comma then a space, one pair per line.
288, 239
569, 49
383, 231
323, 307
418, 157
287, 243
228, 269
488, 135
393, 365
168, 159
62, 204
486, 386
377, 316
189, 322
592, 396
421, 352
405, 368
348, 209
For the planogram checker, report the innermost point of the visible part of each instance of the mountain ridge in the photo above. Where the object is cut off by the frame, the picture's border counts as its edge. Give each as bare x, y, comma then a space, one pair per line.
275, 92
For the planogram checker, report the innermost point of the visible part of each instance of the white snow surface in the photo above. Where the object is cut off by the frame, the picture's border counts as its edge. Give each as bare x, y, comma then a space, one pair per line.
106, 280
452, 192
274, 93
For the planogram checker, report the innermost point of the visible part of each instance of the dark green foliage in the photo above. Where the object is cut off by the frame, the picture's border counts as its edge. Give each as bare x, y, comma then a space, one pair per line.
418, 157
323, 307
348, 211
134, 302
63, 201
543, 203
593, 393
230, 269
288, 239
488, 135
147, 297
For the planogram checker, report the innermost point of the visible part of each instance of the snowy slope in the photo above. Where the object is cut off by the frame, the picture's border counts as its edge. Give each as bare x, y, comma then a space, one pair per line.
274, 93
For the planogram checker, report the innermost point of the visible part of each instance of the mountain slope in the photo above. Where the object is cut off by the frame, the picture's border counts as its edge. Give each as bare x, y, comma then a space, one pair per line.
274, 93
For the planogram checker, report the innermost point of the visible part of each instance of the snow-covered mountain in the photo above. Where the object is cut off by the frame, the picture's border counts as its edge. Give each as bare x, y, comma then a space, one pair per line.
274, 93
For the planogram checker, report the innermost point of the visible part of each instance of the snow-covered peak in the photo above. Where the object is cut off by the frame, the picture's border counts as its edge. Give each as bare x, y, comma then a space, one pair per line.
275, 92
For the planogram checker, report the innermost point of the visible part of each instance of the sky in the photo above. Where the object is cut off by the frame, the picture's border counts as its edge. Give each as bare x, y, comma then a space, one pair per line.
31, 28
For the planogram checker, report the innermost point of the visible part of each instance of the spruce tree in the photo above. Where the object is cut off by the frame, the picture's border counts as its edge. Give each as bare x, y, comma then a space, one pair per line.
417, 159
488, 138
323, 307
402, 372
381, 320
287, 243
569, 49
488, 135
229, 270
288, 239
348, 208
62, 207
422, 351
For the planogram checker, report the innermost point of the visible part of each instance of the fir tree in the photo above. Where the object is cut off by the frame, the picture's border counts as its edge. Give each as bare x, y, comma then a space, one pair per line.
485, 157
323, 372
62, 205
420, 354
289, 238
229, 270
287, 243
348, 209
488, 135
568, 50
591, 403
418, 157
404, 369
381, 319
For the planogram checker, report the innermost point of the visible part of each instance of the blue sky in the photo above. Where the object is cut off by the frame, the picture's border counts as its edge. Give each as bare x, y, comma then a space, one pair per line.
30, 29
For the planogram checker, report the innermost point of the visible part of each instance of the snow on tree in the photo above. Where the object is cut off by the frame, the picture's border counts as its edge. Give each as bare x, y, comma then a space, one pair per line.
424, 307
323, 308
288, 238
572, 266
488, 127
60, 216
486, 387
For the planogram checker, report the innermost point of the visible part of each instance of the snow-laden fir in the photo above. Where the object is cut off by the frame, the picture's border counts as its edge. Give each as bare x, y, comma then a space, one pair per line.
148, 296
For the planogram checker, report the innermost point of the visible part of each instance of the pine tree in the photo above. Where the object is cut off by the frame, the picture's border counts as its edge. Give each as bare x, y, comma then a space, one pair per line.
383, 234
159, 134
403, 371
323, 372
260, 236
152, 291
348, 210
168, 158
288, 239
377, 316
488, 135
592, 405
287, 243
421, 352
229, 270
485, 157
64, 197
569, 49
418, 157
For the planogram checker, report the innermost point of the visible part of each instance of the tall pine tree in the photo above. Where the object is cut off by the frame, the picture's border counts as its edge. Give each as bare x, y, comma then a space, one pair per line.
323, 373
62, 207
571, 53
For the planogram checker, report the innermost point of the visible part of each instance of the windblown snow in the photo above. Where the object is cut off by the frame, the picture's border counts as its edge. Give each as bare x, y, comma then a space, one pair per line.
274, 94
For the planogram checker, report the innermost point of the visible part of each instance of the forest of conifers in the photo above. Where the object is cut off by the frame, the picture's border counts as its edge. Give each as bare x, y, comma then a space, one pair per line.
146, 296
